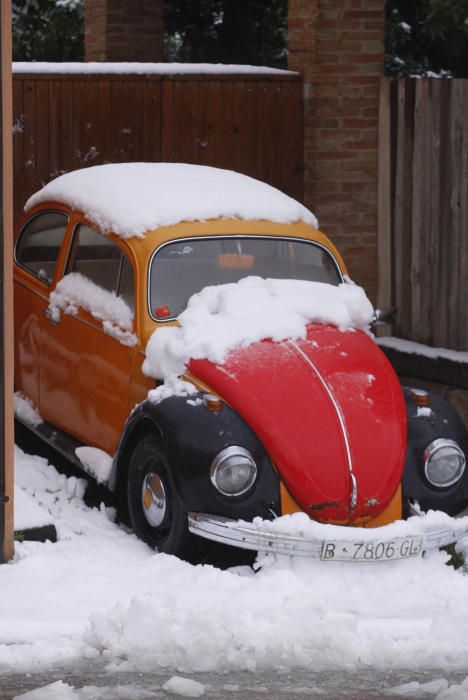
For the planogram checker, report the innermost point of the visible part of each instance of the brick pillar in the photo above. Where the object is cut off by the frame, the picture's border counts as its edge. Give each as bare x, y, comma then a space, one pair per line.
124, 30
338, 46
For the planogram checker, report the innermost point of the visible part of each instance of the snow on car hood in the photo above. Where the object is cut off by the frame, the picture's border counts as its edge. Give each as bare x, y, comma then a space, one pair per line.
292, 358
221, 318
133, 198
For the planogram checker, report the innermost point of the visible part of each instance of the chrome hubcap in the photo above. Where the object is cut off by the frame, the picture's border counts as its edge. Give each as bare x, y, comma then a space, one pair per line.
153, 499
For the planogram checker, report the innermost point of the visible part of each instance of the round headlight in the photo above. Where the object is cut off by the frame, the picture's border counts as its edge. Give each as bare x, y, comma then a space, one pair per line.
444, 462
233, 471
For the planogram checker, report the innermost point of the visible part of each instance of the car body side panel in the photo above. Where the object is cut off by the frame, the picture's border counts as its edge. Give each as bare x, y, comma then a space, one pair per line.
85, 380
30, 304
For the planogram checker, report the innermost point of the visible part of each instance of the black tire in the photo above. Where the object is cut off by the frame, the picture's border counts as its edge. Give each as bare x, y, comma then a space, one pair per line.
171, 535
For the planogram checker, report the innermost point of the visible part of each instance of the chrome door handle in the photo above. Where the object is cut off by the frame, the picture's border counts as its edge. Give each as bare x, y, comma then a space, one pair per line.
50, 316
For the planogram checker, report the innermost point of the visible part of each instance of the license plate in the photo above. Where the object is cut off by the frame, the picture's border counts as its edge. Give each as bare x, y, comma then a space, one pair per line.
378, 550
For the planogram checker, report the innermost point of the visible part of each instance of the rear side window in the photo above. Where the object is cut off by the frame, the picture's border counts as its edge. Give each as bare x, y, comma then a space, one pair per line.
39, 243
98, 258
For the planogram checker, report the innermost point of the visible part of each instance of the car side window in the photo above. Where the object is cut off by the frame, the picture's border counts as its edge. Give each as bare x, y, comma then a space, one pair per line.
39, 242
98, 258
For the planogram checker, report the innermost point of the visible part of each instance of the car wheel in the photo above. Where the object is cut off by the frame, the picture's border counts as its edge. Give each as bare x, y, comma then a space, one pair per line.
154, 507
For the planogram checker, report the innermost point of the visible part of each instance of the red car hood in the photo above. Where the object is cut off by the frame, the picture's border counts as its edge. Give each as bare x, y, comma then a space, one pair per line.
330, 412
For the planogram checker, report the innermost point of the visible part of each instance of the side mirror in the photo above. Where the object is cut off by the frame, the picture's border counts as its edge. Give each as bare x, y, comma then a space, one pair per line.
383, 316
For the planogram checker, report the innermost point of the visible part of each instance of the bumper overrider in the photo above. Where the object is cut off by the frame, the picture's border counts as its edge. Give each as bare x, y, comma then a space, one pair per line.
343, 544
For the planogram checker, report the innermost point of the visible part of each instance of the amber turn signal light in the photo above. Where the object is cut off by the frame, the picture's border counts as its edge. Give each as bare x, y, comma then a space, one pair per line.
212, 402
420, 397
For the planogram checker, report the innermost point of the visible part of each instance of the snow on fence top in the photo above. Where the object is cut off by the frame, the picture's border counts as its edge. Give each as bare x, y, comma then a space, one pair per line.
133, 198
135, 68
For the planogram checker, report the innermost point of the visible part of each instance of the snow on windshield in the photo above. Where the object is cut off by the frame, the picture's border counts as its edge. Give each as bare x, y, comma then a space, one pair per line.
133, 198
75, 291
221, 318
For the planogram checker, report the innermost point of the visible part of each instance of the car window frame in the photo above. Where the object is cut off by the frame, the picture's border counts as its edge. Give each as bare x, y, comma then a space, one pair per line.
171, 319
57, 271
117, 241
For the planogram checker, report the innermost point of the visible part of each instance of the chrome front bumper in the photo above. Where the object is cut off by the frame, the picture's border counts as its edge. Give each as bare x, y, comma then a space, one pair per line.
247, 536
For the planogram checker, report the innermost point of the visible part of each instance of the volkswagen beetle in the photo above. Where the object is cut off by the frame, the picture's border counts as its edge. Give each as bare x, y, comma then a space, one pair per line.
319, 424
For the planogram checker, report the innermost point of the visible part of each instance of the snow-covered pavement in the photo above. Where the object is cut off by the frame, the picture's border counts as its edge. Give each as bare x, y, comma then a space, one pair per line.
100, 595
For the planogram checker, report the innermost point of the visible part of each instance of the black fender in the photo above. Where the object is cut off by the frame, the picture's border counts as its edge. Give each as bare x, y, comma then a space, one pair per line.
424, 426
191, 436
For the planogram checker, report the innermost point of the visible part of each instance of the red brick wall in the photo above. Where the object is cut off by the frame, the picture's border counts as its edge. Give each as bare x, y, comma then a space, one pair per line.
124, 30
338, 46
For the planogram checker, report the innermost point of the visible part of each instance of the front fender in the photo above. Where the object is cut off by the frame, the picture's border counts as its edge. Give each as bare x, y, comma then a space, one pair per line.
425, 425
191, 436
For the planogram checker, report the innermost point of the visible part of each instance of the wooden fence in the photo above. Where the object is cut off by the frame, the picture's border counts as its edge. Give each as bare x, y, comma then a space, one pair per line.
250, 123
423, 231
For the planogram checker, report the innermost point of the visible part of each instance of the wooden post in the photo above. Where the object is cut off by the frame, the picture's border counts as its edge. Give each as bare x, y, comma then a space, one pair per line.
6, 290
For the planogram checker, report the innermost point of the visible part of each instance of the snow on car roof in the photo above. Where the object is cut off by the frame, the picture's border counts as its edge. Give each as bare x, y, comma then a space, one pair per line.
133, 198
136, 68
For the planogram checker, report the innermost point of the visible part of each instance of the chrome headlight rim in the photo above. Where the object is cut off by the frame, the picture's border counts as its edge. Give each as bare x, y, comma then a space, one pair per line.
221, 457
432, 449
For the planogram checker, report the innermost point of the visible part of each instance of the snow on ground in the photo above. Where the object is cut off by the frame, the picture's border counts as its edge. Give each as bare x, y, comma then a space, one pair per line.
99, 593
424, 350
133, 198
223, 317
439, 689
63, 691
136, 68
28, 513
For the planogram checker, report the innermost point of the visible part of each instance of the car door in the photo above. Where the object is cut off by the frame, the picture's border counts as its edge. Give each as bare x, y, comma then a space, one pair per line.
85, 360
38, 250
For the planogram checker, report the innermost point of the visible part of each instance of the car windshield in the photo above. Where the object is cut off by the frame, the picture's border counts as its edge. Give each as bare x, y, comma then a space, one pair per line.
182, 268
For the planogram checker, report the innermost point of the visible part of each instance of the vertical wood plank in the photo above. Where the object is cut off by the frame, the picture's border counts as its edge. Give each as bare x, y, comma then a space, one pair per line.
456, 281
420, 261
29, 140
6, 300
18, 148
463, 255
384, 240
403, 202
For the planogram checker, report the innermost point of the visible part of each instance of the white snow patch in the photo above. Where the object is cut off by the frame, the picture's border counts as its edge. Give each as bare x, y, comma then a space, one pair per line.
424, 350
96, 462
136, 68
27, 513
173, 387
75, 290
300, 525
439, 689
221, 318
63, 691
195, 402
100, 592
25, 410
133, 198
184, 686
53, 691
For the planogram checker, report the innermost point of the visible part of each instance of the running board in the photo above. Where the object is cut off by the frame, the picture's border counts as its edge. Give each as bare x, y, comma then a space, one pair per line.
59, 441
